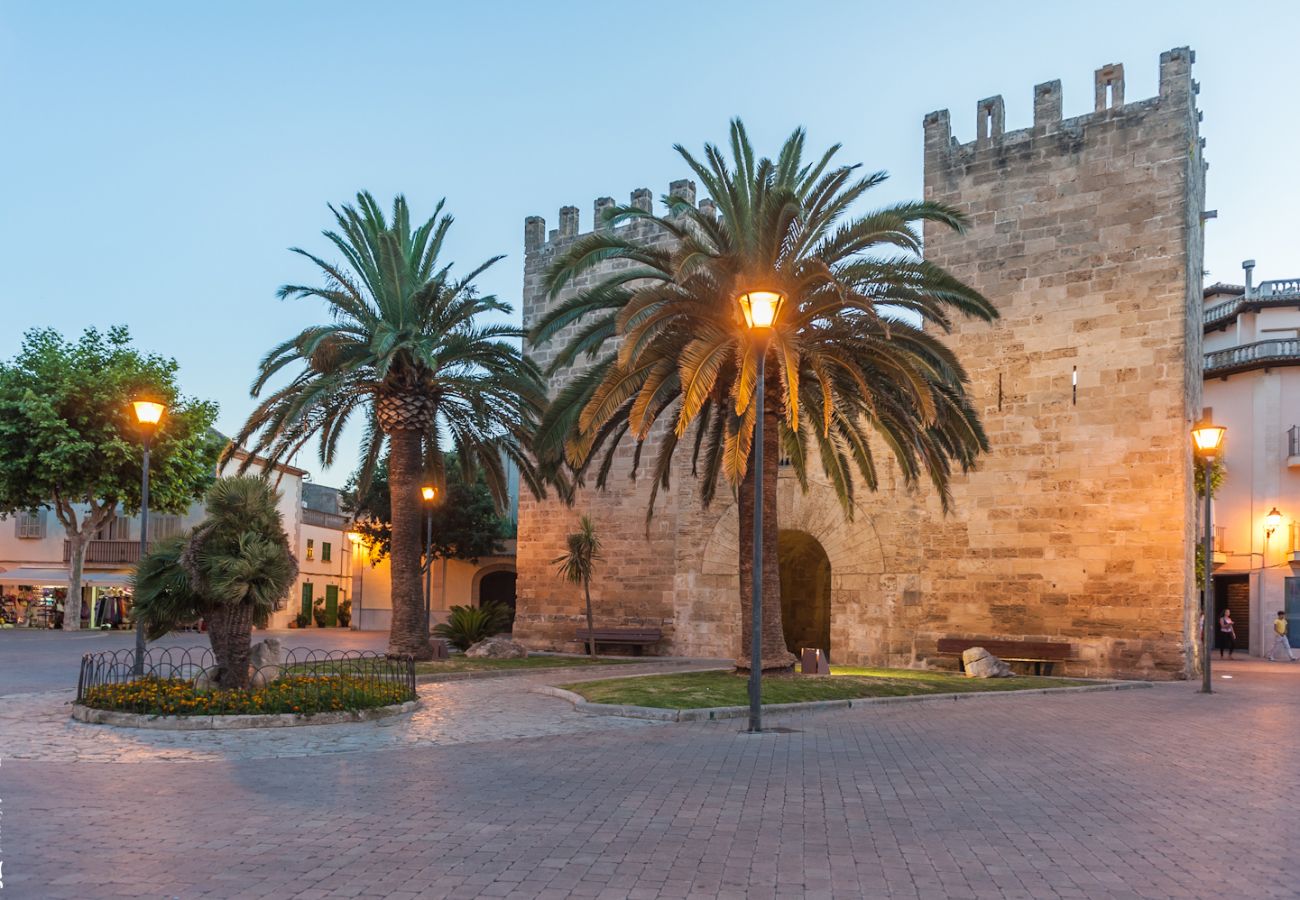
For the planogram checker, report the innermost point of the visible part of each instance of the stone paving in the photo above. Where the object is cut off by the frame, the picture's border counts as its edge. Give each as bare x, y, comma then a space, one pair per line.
1147, 794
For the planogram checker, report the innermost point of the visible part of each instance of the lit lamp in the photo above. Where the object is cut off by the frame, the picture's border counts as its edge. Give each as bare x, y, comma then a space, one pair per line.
427, 493
1207, 438
760, 308
1271, 521
148, 414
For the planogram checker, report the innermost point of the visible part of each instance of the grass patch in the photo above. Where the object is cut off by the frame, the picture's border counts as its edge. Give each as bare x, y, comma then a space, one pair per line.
463, 664
298, 694
695, 690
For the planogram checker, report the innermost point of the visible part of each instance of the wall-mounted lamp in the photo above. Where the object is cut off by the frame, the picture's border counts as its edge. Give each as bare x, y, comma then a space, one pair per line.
1271, 521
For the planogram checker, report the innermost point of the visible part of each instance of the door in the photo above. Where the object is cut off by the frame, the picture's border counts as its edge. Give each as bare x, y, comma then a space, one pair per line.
1293, 611
1232, 592
306, 601
331, 605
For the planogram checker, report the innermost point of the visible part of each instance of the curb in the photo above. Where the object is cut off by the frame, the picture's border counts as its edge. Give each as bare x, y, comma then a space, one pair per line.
710, 713
222, 723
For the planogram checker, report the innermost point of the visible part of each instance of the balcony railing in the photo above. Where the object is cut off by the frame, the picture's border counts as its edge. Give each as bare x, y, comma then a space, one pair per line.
1281, 292
107, 553
324, 519
1258, 355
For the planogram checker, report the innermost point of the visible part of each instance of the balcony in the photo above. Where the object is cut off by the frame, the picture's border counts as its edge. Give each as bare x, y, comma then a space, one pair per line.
1220, 555
1259, 355
1269, 295
107, 553
322, 519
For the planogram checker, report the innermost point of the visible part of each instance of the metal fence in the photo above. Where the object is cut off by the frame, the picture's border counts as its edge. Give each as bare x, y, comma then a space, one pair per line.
312, 674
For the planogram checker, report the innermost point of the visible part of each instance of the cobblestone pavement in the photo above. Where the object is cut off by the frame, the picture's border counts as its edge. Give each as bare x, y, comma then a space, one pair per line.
1145, 794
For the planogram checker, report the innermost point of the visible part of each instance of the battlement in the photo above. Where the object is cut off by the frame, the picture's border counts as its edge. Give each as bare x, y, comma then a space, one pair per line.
1176, 87
537, 239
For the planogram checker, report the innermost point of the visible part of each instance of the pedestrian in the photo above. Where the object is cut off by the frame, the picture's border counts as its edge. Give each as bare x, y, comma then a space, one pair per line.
1279, 628
1227, 634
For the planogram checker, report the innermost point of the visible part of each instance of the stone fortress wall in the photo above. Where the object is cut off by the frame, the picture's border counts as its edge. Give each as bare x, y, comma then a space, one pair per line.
1078, 525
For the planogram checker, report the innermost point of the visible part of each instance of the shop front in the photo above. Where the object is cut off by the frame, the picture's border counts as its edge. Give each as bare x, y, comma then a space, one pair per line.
32, 597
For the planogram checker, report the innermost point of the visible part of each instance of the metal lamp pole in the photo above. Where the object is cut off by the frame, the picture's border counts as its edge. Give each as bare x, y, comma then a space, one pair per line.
428, 493
756, 630
1207, 438
148, 414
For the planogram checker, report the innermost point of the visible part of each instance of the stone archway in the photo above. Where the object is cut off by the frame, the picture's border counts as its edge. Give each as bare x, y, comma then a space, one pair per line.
496, 584
805, 592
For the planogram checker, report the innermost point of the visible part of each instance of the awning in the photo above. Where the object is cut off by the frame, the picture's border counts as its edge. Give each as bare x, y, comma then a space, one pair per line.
38, 577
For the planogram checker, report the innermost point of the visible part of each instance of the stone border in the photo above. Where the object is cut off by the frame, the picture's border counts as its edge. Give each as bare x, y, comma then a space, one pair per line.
438, 677
709, 713
93, 716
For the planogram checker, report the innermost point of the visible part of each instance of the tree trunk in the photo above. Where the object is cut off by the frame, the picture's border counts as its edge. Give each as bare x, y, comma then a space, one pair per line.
591, 636
230, 631
78, 541
775, 656
409, 636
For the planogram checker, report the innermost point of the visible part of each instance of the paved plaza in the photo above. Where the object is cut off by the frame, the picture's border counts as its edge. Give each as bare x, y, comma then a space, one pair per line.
494, 790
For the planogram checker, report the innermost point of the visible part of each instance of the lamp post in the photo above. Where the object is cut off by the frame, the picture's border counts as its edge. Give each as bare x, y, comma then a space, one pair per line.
427, 493
1207, 438
354, 537
147, 414
760, 308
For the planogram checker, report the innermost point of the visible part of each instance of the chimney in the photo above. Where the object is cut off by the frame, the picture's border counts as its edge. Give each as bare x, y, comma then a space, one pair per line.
1249, 266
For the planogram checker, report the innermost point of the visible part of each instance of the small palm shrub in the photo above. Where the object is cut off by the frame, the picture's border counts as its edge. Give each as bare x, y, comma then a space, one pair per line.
467, 625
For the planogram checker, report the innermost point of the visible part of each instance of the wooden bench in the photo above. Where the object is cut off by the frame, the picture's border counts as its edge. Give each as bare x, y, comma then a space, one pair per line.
1043, 654
636, 638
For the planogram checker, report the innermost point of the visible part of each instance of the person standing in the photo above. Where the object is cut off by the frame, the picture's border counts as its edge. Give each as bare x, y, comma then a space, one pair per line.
1279, 628
1227, 634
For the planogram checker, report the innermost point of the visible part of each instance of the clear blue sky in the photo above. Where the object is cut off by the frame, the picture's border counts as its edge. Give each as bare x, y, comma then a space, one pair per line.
159, 158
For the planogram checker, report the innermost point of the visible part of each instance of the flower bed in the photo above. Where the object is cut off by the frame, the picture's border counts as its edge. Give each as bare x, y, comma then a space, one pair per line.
294, 694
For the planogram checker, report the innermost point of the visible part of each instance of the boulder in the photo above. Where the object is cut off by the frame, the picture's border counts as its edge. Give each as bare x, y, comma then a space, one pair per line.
497, 648
980, 663
265, 662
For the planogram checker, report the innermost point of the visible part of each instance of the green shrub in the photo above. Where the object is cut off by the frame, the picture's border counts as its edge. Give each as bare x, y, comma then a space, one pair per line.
300, 694
467, 625
318, 612
345, 613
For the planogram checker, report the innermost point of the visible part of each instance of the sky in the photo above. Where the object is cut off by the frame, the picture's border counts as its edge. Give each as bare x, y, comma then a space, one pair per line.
159, 159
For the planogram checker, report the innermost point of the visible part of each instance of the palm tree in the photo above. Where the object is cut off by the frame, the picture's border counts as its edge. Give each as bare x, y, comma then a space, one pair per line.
850, 367
579, 564
231, 571
406, 351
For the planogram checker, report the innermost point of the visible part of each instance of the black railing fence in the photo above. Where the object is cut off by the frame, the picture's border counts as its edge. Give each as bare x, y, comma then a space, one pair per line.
301, 677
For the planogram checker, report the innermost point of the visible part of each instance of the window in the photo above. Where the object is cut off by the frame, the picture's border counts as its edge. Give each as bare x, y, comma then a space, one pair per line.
30, 524
311, 549
117, 528
162, 526
325, 551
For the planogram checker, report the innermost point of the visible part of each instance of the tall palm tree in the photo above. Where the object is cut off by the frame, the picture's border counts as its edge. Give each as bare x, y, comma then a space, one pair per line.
853, 361
578, 564
406, 351
230, 571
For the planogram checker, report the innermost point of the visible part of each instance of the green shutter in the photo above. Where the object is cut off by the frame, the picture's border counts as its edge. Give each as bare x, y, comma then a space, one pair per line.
1293, 611
325, 552
306, 600
331, 604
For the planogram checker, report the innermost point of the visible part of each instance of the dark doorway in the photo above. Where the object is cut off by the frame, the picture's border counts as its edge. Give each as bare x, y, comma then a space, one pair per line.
805, 592
1232, 592
499, 587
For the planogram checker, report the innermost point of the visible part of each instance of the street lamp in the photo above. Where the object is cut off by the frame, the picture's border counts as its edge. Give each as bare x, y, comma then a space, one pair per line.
1271, 521
760, 308
148, 414
1208, 441
427, 493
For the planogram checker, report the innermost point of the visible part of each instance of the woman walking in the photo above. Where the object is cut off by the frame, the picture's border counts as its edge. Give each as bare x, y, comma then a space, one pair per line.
1227, 634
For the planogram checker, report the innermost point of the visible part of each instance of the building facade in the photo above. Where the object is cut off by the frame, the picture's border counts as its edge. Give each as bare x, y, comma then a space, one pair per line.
1252, 384
1077, 527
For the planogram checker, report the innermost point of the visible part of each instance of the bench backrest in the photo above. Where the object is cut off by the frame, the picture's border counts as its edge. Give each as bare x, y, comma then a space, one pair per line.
1052, 650
622, 634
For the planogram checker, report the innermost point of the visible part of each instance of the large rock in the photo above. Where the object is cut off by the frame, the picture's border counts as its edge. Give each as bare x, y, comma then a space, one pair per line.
980, 663
265, 662
497, 648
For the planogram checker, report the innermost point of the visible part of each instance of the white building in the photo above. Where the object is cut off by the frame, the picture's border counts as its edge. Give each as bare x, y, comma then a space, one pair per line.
1252, 384
34, 553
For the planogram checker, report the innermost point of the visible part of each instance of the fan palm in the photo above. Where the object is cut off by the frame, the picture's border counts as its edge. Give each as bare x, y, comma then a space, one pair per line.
407, 352
853, 361
231, 571
578, 564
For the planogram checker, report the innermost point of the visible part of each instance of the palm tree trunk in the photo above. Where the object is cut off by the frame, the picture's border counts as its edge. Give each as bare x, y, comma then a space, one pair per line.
230, 631
408, 636
591, 629
775, 656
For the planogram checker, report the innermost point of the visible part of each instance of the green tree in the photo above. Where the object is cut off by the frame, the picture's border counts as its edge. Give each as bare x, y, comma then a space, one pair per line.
69, 441
231, 571
848, 371
405, 350
466, 523
578, 564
